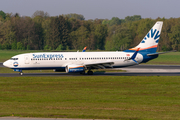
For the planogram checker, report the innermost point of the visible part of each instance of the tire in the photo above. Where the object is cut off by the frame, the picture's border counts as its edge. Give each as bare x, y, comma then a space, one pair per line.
90, 72
21, 73
83, 73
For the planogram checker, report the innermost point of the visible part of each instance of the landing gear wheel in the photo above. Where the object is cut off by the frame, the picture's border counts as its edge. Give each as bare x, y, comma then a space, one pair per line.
83, 73
90, 72
21, 73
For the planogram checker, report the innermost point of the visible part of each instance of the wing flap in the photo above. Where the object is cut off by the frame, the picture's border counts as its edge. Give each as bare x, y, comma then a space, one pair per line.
101, 65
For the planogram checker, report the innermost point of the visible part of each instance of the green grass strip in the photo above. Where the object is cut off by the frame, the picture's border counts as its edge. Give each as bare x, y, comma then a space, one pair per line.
110, 97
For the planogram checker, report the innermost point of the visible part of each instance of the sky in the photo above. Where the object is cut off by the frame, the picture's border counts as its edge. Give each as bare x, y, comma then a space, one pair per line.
92, 9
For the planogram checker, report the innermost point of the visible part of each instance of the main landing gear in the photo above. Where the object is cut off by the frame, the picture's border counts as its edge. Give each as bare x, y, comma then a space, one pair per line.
90, 72
83, 73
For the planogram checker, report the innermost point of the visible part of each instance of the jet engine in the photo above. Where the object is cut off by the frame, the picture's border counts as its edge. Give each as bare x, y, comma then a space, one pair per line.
75, 69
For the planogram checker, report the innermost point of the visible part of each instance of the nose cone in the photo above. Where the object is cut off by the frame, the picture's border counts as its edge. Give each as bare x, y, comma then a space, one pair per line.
6, 63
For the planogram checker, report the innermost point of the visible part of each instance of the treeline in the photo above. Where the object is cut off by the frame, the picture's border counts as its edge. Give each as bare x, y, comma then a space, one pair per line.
72, 31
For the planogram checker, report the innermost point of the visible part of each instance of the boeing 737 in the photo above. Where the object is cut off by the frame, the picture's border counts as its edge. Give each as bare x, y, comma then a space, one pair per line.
79, 62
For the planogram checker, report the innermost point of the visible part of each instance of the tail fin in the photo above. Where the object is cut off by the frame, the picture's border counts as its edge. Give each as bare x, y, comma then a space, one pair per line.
150, 42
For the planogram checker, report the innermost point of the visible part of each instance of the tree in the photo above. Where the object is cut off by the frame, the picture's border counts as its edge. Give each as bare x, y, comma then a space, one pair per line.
132, 18
75, 16
54, 33
59, 32
6, 46
2, 14
120, 38
25, 32
60, 47
79, 37
40, 14
113, 21
7, 32
14, 45
39, 31
19, 46
46, 31
16, 15
174, 37
100, 35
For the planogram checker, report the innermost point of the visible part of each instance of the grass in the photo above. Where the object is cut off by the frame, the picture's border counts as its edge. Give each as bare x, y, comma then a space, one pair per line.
116, 97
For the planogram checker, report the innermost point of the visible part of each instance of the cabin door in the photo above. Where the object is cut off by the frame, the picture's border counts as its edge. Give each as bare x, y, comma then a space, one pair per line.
26, 58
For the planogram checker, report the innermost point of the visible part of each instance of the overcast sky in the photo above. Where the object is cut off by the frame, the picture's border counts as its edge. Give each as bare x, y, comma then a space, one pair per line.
92, 9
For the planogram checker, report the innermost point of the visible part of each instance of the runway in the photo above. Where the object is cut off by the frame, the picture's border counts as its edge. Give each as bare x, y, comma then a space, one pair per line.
95, 74
137, 70
1, 64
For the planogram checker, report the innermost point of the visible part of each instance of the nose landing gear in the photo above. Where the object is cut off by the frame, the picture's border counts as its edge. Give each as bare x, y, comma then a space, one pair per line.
19, 70
21, 73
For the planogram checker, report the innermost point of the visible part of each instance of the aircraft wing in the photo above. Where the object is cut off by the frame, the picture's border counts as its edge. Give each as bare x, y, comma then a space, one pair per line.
101, 65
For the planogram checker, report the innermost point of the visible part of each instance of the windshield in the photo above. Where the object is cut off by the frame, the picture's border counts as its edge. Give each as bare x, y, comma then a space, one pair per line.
14, 59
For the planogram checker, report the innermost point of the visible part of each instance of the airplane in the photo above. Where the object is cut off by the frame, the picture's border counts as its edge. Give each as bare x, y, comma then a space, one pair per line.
79, 62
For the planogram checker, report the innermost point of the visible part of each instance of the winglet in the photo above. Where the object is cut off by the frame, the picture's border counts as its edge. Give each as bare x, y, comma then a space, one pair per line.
84, 49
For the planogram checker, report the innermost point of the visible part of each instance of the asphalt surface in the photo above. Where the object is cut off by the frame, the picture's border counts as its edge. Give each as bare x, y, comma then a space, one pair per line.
1, 65
95, 74
155, 66
137, 70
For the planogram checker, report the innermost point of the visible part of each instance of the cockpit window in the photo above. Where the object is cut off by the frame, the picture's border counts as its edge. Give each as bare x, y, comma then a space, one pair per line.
14, 59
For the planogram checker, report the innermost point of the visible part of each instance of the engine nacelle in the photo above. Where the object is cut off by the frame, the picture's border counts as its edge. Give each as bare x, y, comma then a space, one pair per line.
74, 69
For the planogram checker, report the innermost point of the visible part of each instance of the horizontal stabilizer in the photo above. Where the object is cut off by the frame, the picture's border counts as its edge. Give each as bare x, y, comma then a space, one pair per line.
160, 53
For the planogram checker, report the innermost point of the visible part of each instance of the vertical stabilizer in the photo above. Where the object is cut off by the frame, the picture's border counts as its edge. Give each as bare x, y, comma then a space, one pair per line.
150, 42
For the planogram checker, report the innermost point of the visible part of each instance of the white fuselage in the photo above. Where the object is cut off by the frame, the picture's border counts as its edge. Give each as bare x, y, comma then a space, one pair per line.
55, 60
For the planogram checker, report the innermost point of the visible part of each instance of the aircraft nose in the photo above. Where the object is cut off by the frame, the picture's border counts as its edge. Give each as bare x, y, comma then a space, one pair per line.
6, 63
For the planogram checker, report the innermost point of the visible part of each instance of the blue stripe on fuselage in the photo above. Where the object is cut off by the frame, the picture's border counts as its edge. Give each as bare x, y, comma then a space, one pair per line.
40, 68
